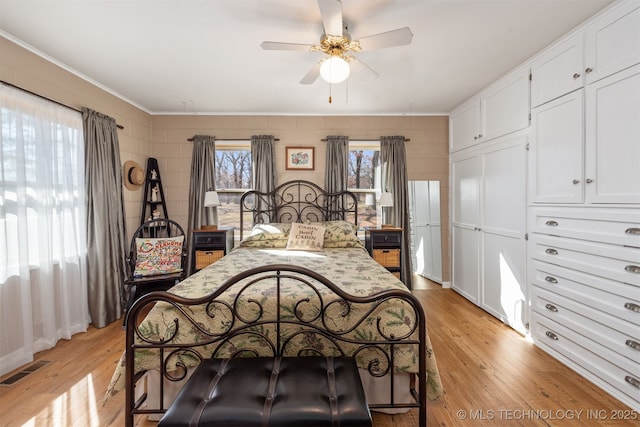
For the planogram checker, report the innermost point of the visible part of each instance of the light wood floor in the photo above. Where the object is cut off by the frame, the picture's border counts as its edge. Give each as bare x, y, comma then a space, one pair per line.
491, 375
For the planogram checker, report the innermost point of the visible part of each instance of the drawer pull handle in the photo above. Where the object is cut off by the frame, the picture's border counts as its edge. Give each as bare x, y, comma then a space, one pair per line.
551, 307
632, 306
551, 251
633, 344
633, 381
551, 223
551, 335
551, 279
633, 230
576, 75
633, 269
588, 70
576, 181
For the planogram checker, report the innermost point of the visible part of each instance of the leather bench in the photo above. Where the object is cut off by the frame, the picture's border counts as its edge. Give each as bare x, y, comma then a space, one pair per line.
271, 391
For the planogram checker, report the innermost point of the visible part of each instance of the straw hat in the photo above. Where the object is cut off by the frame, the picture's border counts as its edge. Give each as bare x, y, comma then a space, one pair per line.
133, 175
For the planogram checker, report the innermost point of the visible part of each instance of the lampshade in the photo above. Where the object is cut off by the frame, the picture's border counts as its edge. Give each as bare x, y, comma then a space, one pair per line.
334, 69
211, 199
386, 199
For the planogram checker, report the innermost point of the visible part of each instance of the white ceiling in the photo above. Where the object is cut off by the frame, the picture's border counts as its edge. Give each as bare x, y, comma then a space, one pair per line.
204, 56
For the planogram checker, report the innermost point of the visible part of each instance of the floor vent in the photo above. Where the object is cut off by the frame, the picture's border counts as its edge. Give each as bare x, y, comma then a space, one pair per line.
13, 379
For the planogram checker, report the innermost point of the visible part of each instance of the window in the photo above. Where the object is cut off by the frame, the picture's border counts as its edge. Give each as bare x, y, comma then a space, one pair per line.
233, 176
364, 179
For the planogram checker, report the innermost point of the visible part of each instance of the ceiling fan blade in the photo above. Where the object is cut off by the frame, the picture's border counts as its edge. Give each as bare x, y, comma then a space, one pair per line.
286, 46
399, 37
362, 70
312, 74
331, 13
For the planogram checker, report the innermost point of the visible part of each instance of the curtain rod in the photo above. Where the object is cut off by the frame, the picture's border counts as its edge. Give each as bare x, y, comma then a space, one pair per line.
48, 99
365, 140
235, 139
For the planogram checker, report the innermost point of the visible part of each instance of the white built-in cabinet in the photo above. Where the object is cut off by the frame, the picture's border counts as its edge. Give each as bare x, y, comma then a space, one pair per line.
585, 95
500, 110
488, 228
573, 283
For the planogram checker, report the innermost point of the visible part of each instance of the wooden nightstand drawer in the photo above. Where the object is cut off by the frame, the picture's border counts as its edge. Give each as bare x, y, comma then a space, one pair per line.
201, 238
383, 239
387, 257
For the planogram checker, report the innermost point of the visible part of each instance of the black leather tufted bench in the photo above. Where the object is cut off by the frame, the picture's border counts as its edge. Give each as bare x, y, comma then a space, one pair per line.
265, 391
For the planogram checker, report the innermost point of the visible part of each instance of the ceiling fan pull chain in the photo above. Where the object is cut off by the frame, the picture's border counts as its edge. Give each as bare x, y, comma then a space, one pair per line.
330, 99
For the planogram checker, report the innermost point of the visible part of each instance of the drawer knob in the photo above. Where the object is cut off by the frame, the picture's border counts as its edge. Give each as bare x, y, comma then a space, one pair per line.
551, 251
633, 381
633, 344
576, 181
576, 75
633, 231
551, 307
633, 269
551, 223
632, 306
588, 70
551, 335
551, 279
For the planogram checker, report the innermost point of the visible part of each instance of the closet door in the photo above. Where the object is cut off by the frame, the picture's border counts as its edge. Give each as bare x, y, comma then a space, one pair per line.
503, 246
466, 176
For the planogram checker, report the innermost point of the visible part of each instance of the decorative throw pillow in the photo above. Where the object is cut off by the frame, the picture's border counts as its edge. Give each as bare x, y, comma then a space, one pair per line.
340, 234
306, 237
156, 256
272, 235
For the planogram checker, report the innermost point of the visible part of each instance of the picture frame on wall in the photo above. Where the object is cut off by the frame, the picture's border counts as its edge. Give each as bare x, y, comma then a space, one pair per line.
299, 158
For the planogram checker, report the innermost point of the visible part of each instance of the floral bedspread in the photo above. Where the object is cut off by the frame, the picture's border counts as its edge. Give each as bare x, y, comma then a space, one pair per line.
352, 269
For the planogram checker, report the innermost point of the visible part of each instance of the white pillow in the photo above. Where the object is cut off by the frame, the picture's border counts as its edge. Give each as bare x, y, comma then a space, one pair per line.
306, 237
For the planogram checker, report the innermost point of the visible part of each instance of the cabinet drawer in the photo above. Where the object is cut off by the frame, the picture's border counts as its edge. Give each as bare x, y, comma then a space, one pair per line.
200, 239
609, 261
619, 299
617, 335
387, 257
616, 226
589, 357
386, 239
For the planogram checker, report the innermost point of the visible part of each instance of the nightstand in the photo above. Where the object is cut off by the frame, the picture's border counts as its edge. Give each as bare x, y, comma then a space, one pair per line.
385, 246
208, 246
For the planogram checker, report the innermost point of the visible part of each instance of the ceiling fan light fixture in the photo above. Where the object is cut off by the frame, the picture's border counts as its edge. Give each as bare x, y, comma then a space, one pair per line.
335, 69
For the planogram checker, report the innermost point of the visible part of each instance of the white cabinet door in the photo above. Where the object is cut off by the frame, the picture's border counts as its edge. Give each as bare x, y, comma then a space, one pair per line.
613, 42
465, 177
505, 106
466, 263
557, 151
613, 138
558, 71
503, 247
464, 126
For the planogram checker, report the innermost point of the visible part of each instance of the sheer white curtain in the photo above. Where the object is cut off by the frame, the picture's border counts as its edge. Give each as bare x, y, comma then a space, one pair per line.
43, 289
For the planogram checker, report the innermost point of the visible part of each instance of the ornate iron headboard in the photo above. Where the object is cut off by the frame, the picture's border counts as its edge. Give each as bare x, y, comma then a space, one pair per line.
298, 201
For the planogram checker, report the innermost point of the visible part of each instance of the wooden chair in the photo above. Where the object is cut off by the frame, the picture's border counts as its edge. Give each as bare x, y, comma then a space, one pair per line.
157, 258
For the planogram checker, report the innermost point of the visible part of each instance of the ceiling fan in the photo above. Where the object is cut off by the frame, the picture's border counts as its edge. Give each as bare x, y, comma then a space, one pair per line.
339, 47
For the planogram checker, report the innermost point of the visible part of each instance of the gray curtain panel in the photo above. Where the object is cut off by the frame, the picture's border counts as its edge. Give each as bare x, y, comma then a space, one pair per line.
264, 168
336, 173
394, 180
202, 179
106, 232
